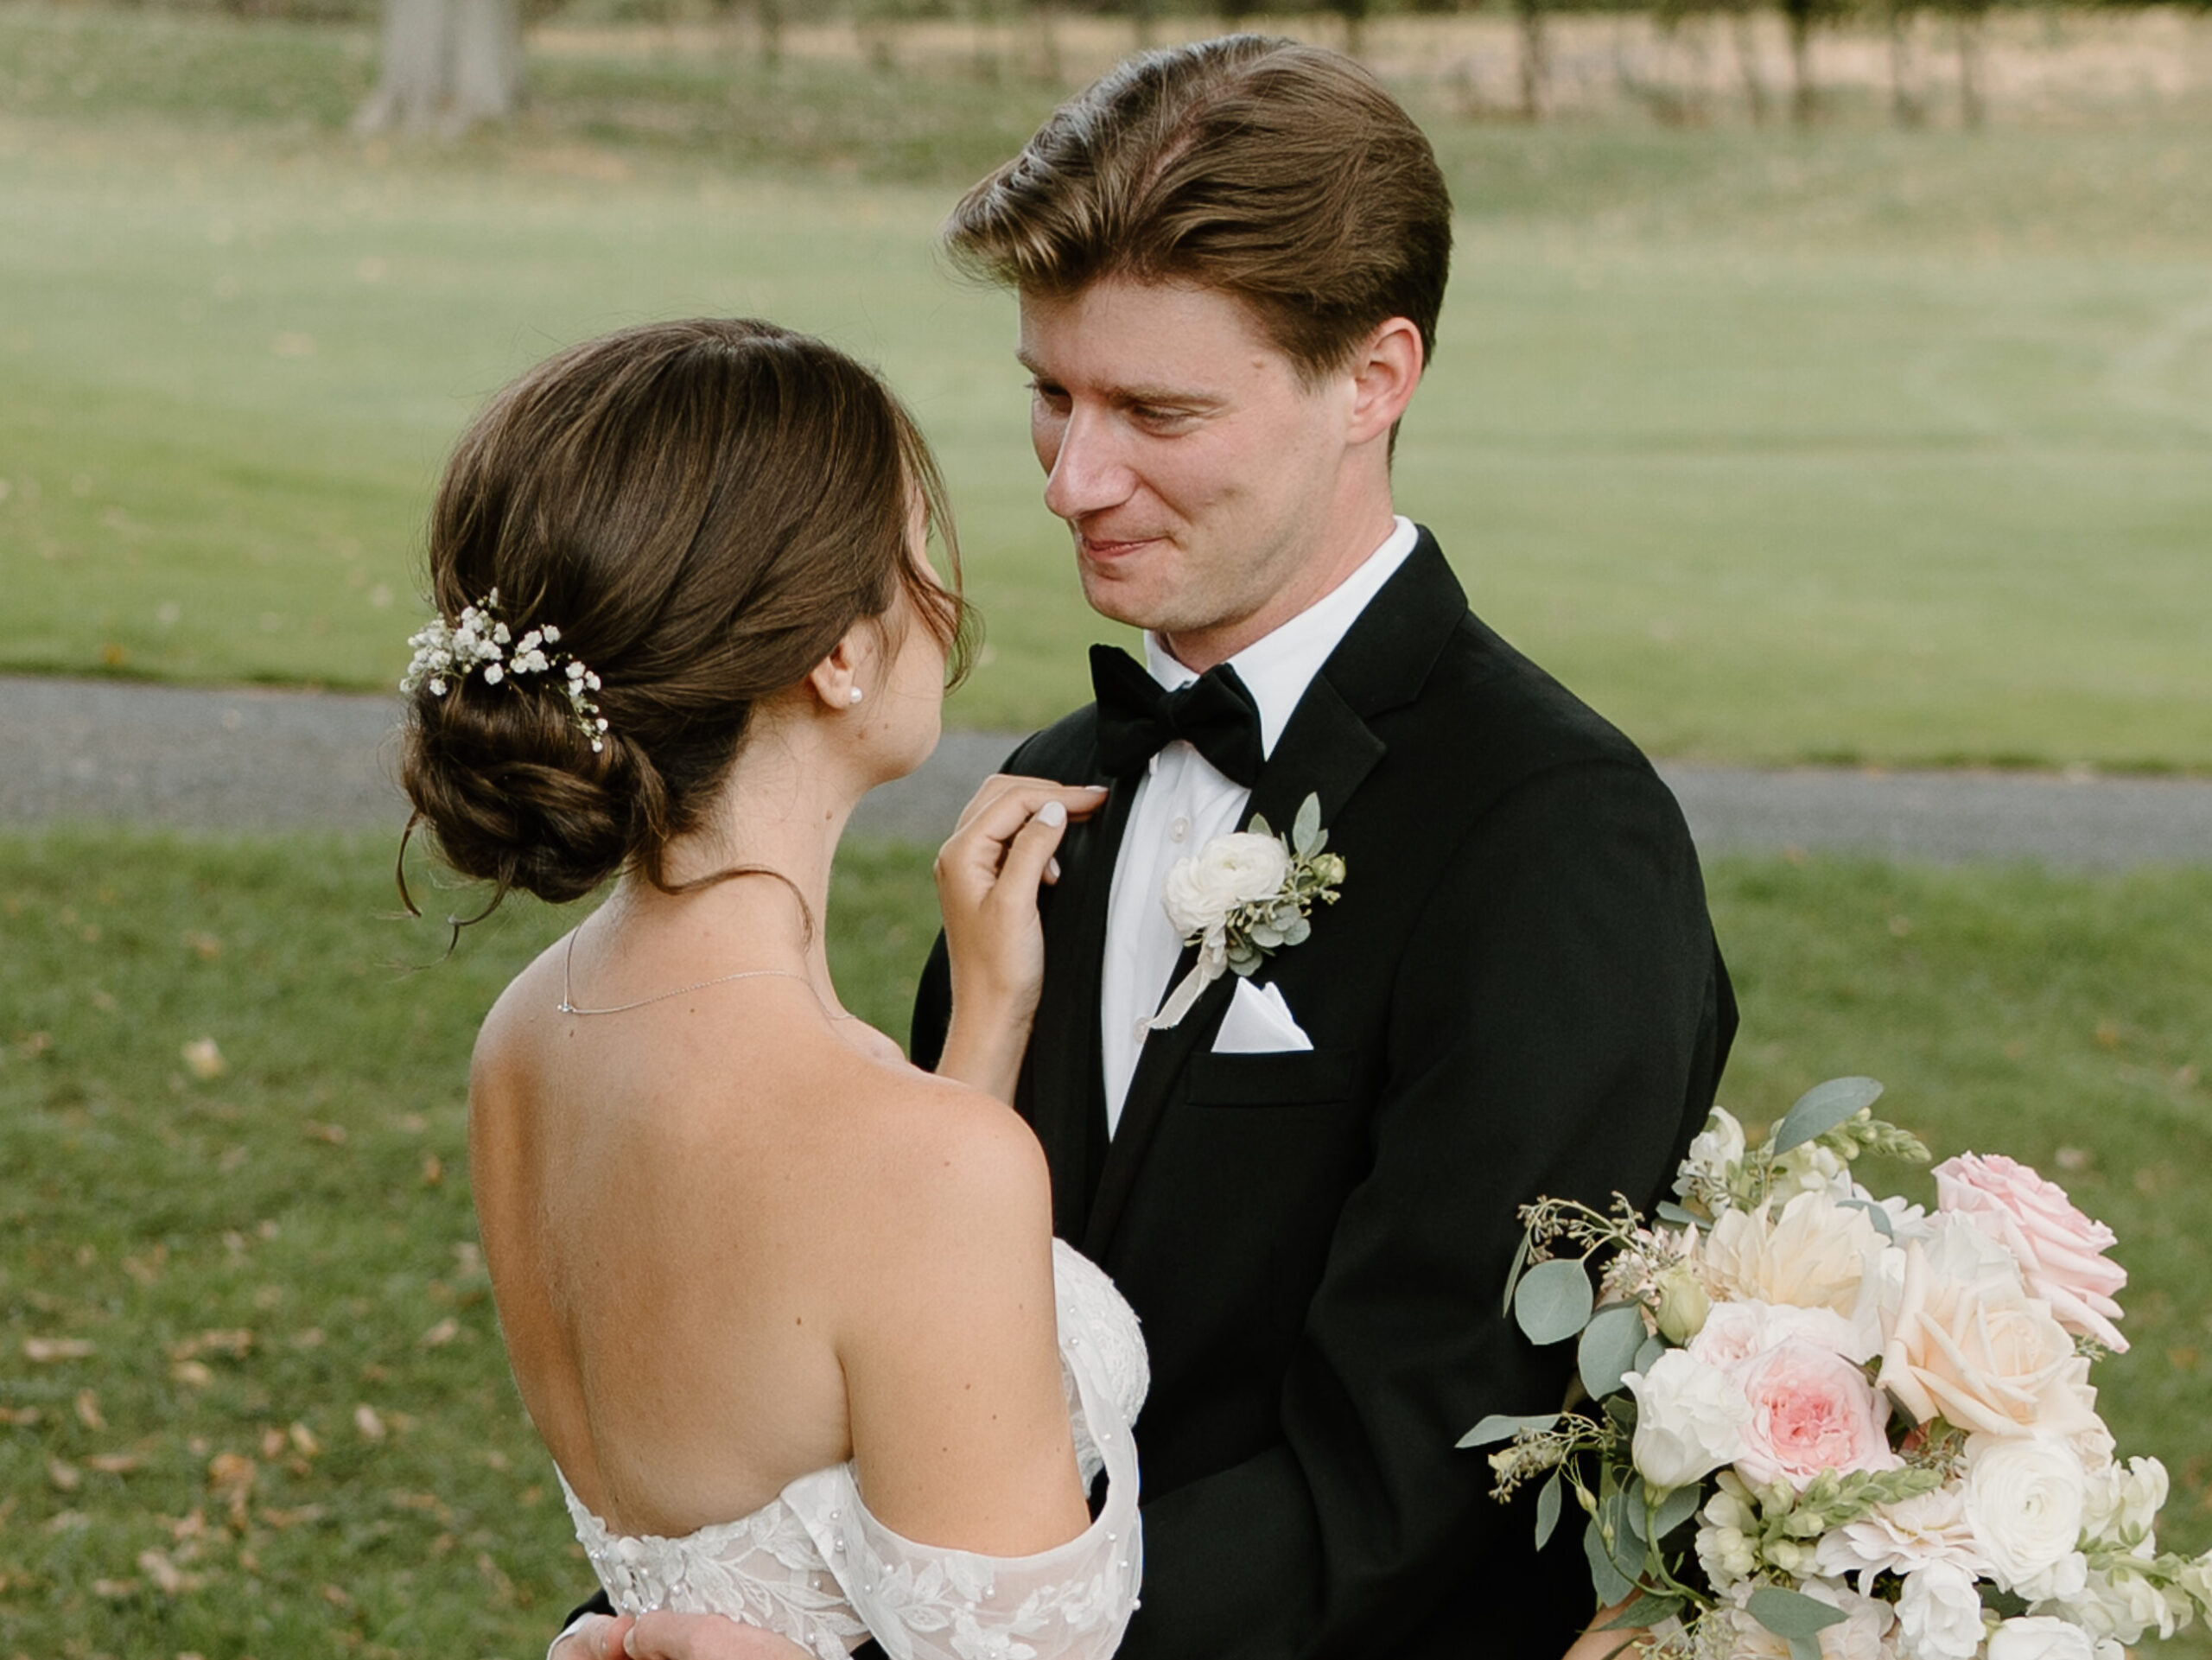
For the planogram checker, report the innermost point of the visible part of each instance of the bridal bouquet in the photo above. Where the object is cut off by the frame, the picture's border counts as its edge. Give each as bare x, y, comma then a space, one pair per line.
1822, 1424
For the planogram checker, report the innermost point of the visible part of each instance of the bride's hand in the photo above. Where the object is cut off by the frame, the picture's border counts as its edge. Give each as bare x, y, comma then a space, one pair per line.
707, 1636
1596, 1643
987, 873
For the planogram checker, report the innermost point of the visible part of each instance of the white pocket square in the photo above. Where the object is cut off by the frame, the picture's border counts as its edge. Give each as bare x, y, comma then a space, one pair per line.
1259, 1022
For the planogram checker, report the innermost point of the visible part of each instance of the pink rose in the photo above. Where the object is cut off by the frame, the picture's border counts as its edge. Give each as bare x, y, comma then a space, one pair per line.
2061, 1250
1811, 1410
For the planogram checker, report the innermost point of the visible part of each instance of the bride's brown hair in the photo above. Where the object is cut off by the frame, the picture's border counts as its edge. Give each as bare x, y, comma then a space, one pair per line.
703, 508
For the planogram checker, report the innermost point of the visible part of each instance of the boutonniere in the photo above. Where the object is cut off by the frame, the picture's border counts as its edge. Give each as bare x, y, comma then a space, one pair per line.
1242, 897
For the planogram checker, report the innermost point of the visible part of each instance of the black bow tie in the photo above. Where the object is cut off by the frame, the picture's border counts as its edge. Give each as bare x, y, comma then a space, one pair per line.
1138, 716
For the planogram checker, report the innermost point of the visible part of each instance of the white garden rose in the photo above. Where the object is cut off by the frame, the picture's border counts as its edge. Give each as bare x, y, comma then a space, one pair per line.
1689, 1420
2024, 1496
1868, 1623
1242, 869
1939, 1613
2038, 1636
1736, 1333
1813, 1254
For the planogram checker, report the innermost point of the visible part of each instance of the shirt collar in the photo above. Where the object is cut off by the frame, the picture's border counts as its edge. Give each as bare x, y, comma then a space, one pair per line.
1278, 667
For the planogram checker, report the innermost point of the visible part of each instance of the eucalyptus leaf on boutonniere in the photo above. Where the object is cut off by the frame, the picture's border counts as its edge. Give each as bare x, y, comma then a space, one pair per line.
1243, 896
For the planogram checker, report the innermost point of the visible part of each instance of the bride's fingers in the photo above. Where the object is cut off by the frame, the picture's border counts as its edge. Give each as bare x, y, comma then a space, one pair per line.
707, 1636
1080, 800
975, 855
1029, 853
595, 1636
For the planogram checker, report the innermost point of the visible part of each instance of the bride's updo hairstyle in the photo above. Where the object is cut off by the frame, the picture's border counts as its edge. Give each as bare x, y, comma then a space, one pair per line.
702, 510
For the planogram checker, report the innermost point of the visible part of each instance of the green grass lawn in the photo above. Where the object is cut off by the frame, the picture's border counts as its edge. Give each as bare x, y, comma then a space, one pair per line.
1853, 445
253, 1397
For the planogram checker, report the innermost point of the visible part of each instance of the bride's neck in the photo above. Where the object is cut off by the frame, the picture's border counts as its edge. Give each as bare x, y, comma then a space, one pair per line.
783, 809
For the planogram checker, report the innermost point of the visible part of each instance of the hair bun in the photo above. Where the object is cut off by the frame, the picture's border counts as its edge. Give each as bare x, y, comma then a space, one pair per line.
515, 795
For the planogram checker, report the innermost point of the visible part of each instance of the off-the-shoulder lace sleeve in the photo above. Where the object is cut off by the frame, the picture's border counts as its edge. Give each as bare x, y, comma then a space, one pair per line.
923, 1602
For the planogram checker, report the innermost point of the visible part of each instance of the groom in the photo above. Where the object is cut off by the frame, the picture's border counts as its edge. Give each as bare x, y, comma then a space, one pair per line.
1229, 259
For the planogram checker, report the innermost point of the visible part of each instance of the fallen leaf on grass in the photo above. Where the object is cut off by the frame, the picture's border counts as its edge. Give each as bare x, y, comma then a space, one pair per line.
88, 1410
168, 1579
335, 1597
303, 1439
230, 1477
235, 1341
292, 1519
115, 1590
18, 1414
44, 1349
334, 1133
116, 1464
68, 1521
206, 947
64, 1477
204, 1059
369, 1422
35, 1045
192, 1374
440, 1334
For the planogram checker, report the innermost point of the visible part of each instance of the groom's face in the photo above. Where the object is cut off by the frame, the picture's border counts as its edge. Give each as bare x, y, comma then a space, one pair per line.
1197, 469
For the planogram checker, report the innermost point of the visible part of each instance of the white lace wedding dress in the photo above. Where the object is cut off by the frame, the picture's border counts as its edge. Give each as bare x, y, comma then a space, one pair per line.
815, 1566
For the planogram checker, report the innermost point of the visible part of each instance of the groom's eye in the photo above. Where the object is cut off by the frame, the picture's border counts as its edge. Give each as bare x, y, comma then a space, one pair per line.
1046, 391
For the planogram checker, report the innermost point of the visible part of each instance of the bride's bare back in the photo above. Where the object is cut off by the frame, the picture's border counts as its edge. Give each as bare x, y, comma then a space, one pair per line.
733, 1241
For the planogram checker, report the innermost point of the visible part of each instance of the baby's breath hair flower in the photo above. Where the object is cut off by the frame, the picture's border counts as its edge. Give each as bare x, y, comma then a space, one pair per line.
447, 652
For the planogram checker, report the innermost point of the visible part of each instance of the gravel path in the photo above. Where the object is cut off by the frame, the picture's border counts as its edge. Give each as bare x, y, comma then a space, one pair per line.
248, 759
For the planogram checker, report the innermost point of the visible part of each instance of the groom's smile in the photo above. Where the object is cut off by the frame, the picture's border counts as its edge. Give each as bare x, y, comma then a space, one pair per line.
1213, 491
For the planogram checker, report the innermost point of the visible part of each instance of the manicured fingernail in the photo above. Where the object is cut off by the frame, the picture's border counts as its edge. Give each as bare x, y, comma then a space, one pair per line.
1051, 870
1094, 789
1053, 813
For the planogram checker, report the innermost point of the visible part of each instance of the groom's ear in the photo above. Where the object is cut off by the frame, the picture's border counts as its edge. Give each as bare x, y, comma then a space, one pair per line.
1385, 372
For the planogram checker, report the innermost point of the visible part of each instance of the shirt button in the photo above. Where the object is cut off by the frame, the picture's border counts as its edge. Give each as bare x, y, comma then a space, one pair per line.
1180, 828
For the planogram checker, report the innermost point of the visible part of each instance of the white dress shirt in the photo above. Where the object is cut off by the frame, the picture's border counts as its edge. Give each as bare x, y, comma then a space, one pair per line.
1183, 800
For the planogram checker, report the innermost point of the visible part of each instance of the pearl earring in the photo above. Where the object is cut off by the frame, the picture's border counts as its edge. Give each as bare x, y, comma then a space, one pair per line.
853, 695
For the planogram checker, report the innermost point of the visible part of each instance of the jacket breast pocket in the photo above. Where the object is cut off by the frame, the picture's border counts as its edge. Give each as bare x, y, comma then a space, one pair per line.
1292, 1078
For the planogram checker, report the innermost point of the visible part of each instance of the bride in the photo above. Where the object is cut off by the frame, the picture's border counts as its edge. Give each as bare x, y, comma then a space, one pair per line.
787, 1312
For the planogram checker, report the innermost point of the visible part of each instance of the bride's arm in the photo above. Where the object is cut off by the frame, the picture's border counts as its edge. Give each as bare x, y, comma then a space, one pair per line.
988, 874
959, 1421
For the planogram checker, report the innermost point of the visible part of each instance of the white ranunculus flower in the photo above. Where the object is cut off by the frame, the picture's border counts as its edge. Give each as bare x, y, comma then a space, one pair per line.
1689, 1420
1240, 868
2024, 1496
1716, 1146
1939, 1613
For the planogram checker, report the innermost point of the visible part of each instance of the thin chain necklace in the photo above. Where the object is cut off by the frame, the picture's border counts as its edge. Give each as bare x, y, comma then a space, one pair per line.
567, 961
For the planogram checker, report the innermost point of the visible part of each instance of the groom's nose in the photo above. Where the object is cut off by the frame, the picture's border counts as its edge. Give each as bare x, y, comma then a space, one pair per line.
1085, 472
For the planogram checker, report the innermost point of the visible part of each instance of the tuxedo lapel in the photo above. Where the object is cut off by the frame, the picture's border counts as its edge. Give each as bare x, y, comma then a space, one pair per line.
1325, 751
1065, 1090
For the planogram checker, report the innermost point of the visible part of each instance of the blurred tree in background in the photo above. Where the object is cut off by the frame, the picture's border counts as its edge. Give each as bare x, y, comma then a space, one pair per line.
447, 65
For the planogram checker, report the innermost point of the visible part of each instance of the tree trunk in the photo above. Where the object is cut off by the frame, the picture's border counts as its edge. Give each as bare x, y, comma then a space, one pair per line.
1536, 58
1968, 24
1904, 102
447, 65
1800, 62
1743, 26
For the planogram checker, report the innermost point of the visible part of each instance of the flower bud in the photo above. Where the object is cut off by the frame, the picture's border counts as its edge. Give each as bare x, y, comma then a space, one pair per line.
1683, 1304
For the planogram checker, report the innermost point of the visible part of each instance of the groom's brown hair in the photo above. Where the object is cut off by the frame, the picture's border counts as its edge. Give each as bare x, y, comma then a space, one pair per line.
1279, 173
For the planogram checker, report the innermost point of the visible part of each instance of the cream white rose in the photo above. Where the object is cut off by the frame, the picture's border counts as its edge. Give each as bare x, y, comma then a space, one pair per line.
1689, 1420
1968, 1344
2122, 1606
1939, 1613
1866, 1625
2024, 1496
1203, 891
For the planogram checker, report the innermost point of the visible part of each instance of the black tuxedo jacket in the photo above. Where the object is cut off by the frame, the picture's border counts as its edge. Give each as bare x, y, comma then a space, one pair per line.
1517, 995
